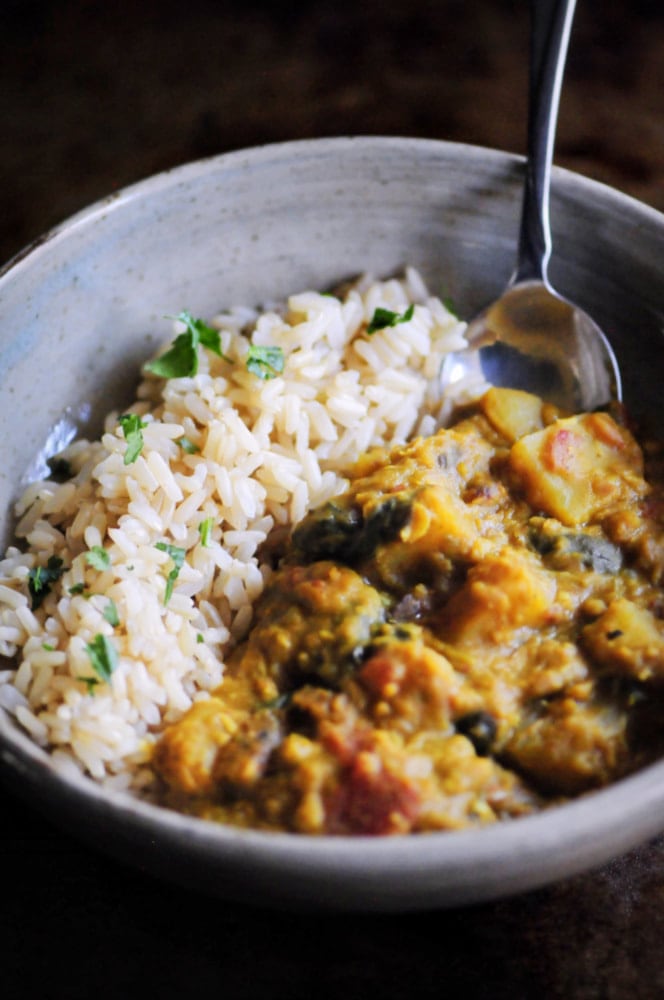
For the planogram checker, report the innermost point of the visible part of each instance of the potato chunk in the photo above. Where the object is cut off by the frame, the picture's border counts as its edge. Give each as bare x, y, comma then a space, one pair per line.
579, 467
573, 749
440, 522
627, 639
512, 412
503, 593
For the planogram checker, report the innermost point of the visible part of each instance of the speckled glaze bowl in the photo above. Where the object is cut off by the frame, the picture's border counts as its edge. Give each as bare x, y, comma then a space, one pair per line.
80, 310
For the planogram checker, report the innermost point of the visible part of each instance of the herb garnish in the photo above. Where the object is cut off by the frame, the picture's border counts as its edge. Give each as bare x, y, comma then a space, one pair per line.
177, 555
181, 360
132, 426
265, 362
188, 445
78, 588
103, 656
205, 531
40, 579
383, 318
98, 558
110, 613
281, 701
450, 306
90, 682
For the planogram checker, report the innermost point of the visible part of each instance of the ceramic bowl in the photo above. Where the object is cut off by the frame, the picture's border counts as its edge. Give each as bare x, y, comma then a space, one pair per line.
82, 307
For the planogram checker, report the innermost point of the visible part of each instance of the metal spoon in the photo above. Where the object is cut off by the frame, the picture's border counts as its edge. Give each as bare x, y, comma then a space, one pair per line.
532, 338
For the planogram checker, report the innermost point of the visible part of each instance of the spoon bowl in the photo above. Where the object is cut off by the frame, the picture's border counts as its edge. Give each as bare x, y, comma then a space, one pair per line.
532, 338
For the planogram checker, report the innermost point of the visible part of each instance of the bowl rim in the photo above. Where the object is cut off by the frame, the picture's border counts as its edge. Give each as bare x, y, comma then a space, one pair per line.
253, 156
349, 872
565, 836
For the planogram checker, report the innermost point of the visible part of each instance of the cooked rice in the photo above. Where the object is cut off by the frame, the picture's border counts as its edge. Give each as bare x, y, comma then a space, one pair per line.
269, 450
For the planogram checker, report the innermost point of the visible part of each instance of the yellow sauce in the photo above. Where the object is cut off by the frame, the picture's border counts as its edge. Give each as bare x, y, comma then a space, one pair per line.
473, 631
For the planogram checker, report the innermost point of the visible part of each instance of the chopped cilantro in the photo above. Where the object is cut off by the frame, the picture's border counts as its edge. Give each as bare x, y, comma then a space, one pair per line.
48, 647
177, 555
205, 531
98, 558
281, 701
110, 613
450, 306
132, 427
103, 656
199, 637
383, 318
188, 445
40, 579
182, 358
78, 588
90, 682
265, 362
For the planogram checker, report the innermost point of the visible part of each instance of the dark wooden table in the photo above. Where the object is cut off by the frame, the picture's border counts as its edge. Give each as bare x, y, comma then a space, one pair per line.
94, 96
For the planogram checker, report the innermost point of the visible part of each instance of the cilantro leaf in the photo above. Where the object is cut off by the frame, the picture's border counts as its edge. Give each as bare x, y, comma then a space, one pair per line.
40, 579
103, 656
98, 558
90, 682
174, 551
383, 318
110, 613
205, 531
281, 701
265, 362
188, 445
177, 555
132, 426
181, 360
208, 336
448, 302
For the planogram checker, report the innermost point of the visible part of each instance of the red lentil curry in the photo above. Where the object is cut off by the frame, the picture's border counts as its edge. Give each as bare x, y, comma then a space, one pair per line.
472, 632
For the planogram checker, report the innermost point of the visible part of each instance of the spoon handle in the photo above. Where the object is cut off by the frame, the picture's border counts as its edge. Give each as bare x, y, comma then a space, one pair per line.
551, 23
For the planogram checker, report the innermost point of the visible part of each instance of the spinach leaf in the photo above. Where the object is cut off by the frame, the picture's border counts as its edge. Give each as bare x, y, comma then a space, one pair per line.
343, 533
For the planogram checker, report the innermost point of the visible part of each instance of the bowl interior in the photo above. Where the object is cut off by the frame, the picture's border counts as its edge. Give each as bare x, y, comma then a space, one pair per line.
83, 307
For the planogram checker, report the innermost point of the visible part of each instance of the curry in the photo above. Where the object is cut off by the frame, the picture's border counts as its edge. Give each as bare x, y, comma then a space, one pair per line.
473, 631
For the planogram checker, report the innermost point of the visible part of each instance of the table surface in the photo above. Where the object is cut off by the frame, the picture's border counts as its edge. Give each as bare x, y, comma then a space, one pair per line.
97, 96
